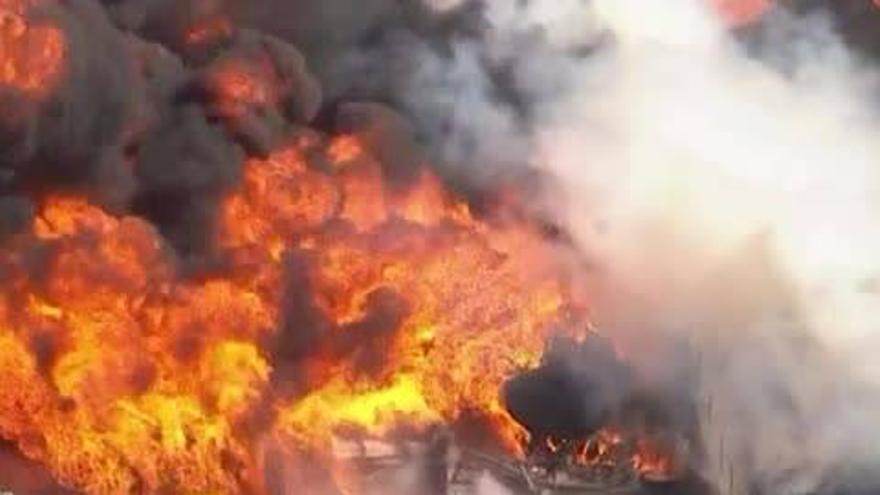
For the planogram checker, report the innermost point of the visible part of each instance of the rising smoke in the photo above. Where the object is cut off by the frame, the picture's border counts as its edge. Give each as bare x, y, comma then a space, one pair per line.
724, 187
721, 184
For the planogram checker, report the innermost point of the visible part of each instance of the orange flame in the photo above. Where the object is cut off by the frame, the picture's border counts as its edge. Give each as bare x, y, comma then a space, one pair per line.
602, 449
736, 13
31, 53
209, 29
241, 85
123, 377
655, 461
648, 457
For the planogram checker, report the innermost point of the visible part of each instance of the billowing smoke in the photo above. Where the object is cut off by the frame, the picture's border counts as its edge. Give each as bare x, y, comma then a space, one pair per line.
120, 109
717, 166
724, 186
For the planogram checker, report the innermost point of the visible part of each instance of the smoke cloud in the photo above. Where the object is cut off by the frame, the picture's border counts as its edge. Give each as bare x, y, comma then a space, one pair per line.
724, 187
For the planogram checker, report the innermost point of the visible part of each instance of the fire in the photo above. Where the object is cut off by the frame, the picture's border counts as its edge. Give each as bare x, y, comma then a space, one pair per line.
655, 461
110, 403
210, 29
602, 449
241, 85
31, 52
346, 306
650, 458
740, 12
470, 313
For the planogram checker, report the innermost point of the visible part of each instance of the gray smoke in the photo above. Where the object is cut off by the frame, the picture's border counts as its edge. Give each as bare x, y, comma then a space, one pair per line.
722, 184
725, 189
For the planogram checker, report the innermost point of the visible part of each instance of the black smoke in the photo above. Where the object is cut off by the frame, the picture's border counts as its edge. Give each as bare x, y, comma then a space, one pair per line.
135, 126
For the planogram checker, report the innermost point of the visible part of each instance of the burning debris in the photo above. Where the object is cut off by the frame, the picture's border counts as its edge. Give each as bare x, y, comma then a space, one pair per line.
583, 408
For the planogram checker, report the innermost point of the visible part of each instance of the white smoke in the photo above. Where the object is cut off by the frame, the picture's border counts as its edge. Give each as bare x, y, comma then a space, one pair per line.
728, 197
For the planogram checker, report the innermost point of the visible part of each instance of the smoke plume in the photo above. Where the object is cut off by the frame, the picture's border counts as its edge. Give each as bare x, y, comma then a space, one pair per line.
715, 162
724, 186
